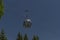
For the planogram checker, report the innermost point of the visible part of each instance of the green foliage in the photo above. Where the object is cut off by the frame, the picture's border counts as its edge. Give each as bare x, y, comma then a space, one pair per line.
19, 36
2, 35
25, 37
1, 8
35, 38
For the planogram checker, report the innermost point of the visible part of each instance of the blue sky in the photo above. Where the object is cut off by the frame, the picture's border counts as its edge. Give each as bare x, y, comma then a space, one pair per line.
45, 15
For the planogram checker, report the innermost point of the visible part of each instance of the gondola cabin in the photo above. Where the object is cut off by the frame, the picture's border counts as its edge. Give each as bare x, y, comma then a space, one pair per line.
27, 23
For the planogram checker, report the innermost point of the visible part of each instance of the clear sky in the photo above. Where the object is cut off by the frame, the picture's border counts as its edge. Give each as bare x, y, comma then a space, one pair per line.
45, 16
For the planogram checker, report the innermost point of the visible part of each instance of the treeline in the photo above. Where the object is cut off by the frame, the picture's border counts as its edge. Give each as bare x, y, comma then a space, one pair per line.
19, 36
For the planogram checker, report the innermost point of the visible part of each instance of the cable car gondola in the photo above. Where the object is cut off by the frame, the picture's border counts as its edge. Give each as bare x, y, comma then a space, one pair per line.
27, 22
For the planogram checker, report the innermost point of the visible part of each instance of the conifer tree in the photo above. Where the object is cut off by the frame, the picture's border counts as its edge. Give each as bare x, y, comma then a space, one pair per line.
19, 36
2, 35
35, 38
25, 37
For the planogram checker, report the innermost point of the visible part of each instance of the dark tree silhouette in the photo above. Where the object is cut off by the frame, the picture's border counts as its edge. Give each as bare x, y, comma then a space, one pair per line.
25, 37
2, 35
19, 36
35, 38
